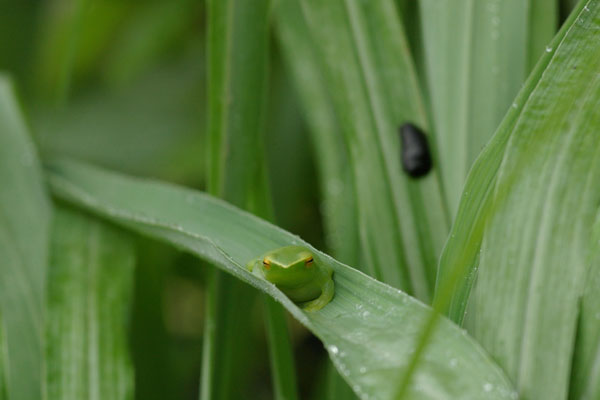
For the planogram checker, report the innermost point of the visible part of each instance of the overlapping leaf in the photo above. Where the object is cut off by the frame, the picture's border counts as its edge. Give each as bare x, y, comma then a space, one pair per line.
527, 215
476, 56
24, 221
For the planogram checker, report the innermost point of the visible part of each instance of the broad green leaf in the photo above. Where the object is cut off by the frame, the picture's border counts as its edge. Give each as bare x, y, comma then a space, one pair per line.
526, 217
89, 296
402, 221
477, 54
369, 328
24, 224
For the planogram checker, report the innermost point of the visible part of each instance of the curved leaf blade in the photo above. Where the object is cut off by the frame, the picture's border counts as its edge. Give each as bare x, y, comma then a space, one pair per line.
24, 224
369, 328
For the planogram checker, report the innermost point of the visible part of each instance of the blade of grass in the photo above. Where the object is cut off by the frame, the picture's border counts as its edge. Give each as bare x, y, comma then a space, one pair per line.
281, 357
585, 377
237, 52
402, 222
154, 374
369, 328
536, 217
24, 222
89, 295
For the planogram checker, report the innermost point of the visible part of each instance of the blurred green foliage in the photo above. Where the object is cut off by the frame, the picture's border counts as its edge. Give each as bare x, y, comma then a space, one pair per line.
121, 83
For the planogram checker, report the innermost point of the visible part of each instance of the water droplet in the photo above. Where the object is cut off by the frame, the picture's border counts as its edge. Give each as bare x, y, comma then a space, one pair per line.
515, 105
488, 387
365, 314
334, 349
586, 8
362, 370
453, 362
548, 49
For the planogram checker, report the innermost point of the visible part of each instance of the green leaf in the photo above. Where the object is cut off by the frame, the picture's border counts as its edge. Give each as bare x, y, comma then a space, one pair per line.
527, 214
402, 222
89, 295
476, 54
24, 224
369, 328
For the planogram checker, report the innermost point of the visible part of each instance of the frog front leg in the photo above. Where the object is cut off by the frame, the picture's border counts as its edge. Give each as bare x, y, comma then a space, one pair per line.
254, 267
321, 301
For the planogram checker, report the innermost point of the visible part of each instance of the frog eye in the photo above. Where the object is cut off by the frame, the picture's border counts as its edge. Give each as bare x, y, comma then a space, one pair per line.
309, 262
267, 264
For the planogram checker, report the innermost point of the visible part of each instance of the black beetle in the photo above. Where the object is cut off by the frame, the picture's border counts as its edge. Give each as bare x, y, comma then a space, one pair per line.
416, 158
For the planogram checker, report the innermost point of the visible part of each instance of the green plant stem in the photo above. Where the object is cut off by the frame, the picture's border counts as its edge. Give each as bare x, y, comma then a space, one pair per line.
281, 357
238, 52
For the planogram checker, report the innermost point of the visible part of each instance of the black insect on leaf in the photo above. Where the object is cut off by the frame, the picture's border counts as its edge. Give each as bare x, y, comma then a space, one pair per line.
416, 158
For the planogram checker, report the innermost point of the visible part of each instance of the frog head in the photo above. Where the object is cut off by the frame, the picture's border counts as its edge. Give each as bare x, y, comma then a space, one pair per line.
289, 266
